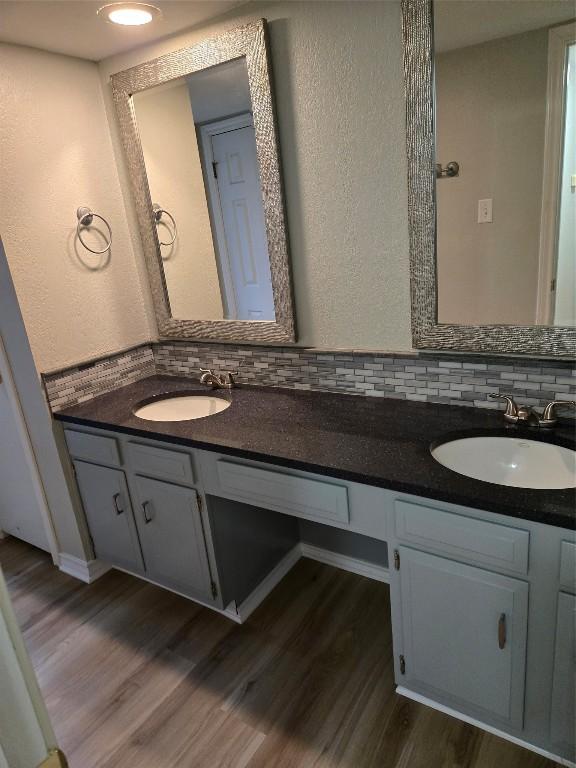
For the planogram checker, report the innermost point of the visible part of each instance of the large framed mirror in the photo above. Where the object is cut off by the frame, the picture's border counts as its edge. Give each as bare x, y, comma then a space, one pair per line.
199, 132
491, 120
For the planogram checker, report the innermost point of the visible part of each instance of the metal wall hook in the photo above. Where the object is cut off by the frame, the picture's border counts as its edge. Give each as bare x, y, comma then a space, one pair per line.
85, 218
449, 172
158, 212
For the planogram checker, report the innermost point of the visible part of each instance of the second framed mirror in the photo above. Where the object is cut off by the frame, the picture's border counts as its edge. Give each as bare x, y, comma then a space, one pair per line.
489, 108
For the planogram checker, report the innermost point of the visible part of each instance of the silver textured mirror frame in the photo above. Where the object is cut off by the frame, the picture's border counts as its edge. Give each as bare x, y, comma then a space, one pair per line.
249, 41
427, 333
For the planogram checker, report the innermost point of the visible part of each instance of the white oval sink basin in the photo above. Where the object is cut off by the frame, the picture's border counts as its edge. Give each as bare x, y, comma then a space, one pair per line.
182, 408
510, 461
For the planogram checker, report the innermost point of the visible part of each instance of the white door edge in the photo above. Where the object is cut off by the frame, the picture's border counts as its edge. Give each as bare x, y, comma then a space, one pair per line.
7, 381
28, 735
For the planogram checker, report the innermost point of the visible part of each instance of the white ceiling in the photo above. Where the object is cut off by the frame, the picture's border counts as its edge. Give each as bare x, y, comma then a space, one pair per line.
72, 27
459, 23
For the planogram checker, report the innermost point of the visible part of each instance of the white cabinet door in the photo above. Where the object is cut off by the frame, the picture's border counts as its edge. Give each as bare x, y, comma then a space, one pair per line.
172, 537
464, 636
563, 712
109, 513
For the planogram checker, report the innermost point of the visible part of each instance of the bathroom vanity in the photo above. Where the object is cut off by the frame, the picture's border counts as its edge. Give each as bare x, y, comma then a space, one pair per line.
482, 576
453, 284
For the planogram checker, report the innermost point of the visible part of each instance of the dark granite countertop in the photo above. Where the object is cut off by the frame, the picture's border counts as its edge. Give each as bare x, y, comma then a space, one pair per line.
381, 442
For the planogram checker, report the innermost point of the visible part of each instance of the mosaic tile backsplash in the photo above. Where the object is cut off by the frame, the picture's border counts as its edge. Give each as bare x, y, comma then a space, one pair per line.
86, 381
438, 378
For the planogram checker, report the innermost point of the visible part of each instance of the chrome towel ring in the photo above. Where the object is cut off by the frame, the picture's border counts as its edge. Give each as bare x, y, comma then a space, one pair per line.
158, 212
85, 217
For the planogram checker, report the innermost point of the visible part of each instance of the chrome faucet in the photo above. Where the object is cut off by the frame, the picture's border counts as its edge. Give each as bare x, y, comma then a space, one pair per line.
222, 381
525, 414
549, 418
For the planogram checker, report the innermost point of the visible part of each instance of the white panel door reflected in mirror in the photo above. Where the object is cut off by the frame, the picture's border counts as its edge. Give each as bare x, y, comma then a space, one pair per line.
505, 81
199, 148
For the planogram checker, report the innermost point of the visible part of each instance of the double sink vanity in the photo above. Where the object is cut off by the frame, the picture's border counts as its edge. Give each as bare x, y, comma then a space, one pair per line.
482, 575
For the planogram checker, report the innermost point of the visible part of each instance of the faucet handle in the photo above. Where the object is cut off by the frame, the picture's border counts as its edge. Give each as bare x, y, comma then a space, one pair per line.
230, 377
511, 412
207, 376
549, 417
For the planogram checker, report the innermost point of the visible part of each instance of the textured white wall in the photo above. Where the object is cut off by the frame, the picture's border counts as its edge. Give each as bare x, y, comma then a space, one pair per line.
340, 102
56, 154
339, 88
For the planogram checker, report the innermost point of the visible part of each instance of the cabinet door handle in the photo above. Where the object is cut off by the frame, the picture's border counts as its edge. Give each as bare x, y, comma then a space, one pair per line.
147, 515
502, 631
116, 498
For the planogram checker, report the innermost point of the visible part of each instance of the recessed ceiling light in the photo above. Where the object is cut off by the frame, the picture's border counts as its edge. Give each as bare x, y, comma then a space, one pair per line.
129, 14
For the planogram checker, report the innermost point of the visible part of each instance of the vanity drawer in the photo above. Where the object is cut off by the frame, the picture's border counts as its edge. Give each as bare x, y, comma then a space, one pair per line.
96, 448
568, 565
161, 462
293, 495
475, 541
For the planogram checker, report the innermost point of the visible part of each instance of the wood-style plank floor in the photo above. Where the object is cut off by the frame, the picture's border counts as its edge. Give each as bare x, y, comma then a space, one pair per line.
136, 677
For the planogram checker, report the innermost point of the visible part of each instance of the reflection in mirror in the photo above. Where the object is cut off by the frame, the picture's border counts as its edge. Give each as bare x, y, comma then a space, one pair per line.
505, 80
198, 142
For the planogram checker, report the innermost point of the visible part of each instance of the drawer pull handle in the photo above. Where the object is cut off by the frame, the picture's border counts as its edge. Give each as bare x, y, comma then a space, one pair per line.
117, 507
502, 631
147, 515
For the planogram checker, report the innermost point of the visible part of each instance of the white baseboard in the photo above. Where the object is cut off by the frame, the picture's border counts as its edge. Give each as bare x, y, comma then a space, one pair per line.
268, 583
346, 563
229, 611
85, 570
479, 724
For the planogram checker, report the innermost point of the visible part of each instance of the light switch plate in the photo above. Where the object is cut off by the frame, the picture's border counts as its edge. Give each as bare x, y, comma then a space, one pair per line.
485, 211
